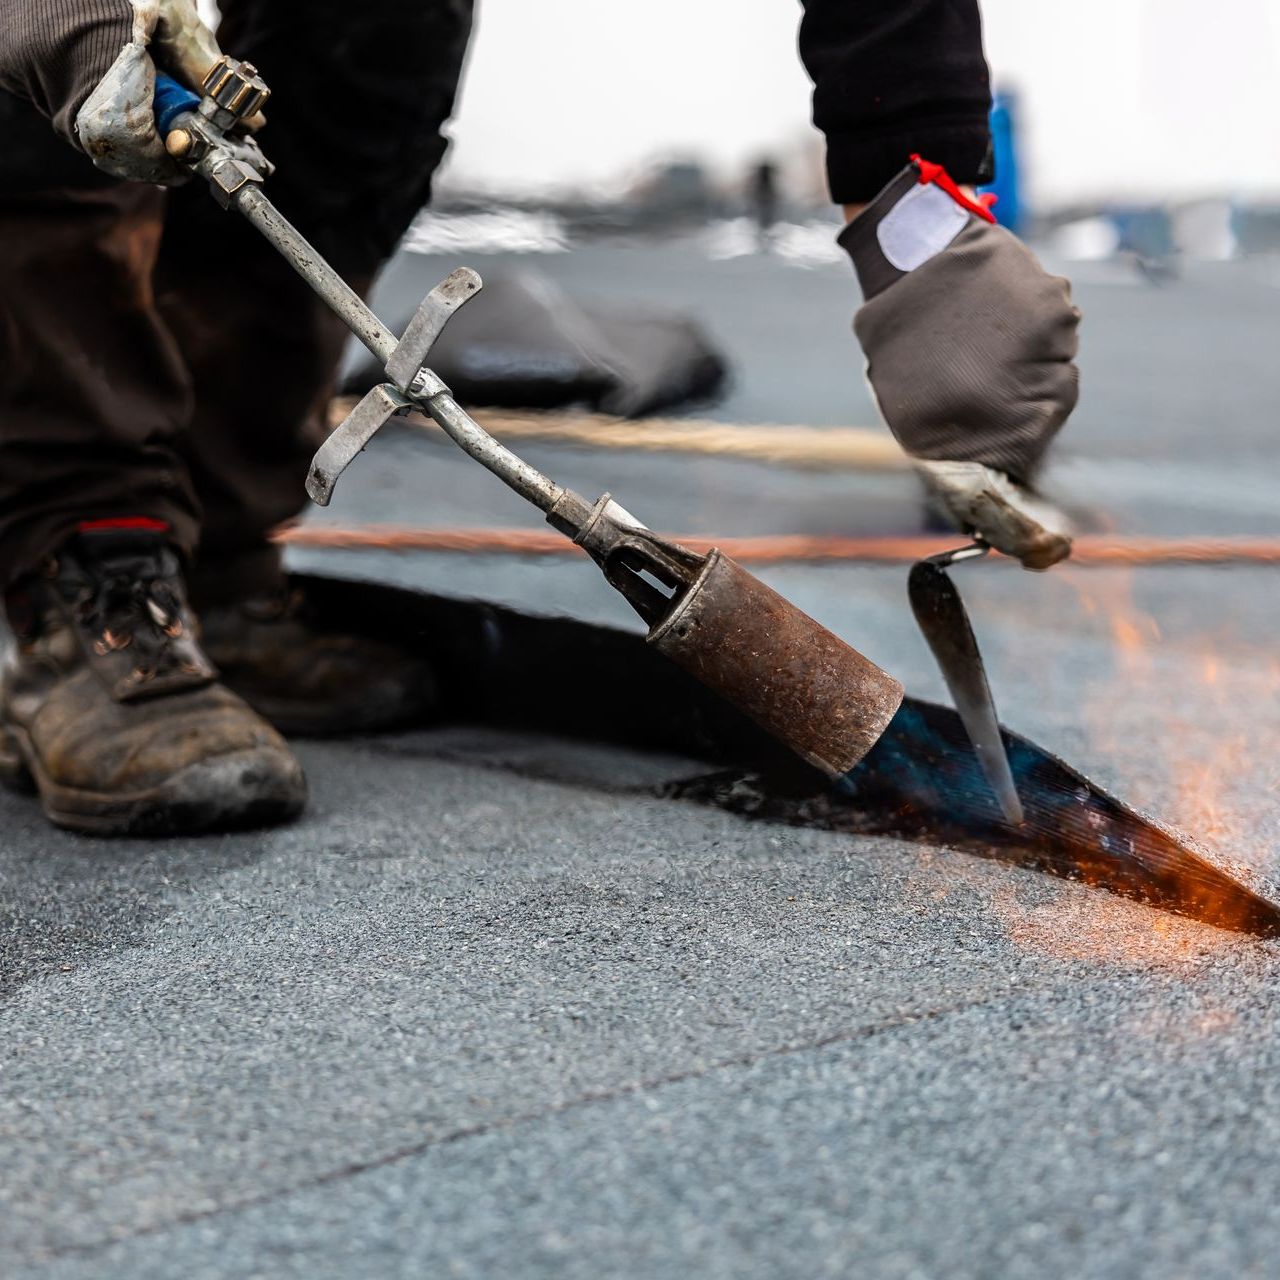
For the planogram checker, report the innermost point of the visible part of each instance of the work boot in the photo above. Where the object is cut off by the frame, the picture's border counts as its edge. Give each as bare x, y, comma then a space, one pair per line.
110, 707
312, 675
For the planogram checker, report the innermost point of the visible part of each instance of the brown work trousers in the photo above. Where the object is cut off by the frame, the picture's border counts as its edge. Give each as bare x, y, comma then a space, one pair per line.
157, 357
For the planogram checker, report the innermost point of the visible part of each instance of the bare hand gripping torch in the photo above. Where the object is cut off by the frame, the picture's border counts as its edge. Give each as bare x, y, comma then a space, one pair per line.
796, 679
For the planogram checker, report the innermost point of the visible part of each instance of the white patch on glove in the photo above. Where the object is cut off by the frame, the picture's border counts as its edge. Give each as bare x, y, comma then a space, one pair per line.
920, 226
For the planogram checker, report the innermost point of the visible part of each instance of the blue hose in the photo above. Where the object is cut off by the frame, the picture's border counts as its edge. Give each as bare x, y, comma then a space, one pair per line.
172, 100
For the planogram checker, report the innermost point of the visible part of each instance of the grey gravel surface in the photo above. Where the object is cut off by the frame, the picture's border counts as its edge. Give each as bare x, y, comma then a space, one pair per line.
491, 1010
460, 1021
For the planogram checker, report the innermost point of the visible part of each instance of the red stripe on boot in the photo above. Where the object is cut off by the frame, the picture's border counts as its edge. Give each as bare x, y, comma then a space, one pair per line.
124, 522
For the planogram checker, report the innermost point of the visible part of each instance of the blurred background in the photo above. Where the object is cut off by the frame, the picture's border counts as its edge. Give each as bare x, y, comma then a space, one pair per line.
643, 193
1159, 103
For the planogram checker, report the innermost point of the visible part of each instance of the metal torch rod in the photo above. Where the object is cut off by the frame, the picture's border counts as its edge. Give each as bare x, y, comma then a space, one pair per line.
428, 392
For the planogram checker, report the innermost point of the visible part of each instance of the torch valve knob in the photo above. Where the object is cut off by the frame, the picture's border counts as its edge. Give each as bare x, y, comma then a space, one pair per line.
236, 88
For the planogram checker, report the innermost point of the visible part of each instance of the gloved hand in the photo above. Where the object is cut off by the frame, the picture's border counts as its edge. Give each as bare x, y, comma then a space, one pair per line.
970, 346
87, 65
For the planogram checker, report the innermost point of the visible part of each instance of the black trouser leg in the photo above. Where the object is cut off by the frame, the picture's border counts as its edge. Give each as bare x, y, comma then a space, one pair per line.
355, 137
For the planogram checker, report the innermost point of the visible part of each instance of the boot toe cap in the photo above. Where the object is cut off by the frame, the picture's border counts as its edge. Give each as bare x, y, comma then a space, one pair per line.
184, 762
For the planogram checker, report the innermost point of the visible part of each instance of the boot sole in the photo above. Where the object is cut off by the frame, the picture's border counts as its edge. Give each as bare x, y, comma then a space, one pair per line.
239, 790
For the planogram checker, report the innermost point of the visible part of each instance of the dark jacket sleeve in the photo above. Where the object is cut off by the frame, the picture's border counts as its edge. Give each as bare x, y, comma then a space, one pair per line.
893, 77
54, 52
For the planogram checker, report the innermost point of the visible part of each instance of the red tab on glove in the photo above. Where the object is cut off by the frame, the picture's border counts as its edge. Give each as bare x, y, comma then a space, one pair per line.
935, 173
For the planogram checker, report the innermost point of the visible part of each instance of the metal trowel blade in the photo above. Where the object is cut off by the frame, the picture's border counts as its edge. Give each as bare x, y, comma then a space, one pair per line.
945, 624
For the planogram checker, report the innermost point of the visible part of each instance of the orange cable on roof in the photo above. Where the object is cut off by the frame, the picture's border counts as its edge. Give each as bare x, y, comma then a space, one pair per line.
1090, 550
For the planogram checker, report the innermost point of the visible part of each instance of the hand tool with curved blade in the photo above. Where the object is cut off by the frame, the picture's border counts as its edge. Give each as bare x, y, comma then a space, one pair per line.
945, 624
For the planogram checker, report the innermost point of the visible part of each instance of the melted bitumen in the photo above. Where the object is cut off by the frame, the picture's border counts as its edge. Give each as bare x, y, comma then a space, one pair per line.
921, 781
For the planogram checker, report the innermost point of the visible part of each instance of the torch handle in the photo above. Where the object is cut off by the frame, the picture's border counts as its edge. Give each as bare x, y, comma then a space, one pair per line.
239, 187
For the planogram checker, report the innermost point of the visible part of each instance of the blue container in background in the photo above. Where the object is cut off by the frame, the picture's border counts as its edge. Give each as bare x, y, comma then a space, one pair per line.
1007, 185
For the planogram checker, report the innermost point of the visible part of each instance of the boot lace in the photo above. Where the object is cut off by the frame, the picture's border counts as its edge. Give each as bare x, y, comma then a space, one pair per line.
123, 610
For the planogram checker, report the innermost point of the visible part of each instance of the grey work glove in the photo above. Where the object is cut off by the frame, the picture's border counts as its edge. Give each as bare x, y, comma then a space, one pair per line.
87, 65
970, 348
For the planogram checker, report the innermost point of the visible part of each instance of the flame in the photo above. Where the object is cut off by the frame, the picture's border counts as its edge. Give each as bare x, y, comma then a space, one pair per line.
1163, 716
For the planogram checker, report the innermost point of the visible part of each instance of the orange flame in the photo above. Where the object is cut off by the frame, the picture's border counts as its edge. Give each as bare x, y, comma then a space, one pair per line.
1164, 713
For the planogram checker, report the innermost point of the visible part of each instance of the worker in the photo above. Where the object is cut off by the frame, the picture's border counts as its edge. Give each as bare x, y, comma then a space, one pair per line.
762, 188
164, 375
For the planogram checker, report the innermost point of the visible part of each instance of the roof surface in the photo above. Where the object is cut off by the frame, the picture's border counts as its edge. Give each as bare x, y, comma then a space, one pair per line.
492, 1009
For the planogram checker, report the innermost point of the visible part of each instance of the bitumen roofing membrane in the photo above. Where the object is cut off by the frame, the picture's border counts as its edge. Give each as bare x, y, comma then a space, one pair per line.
496, 1006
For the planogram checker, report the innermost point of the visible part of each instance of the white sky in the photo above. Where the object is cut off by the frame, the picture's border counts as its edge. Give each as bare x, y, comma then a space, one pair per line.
1120, 96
